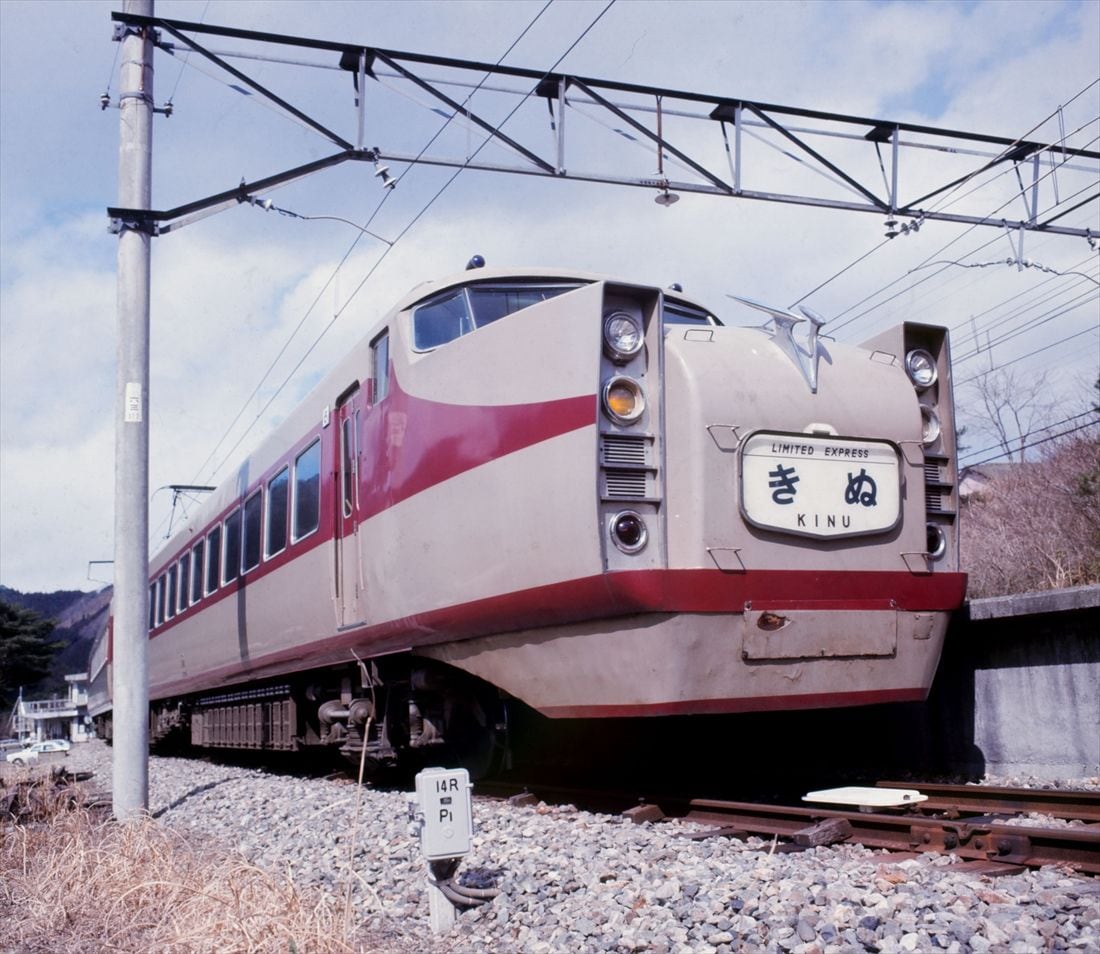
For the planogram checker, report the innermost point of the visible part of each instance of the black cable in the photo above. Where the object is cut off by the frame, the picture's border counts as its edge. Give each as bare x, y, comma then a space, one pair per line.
406, 229
1031, 325
940, 204
940, 251
1029, 445
1030, 354
183, 63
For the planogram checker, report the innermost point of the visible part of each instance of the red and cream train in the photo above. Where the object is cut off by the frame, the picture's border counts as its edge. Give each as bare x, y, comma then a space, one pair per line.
586, 494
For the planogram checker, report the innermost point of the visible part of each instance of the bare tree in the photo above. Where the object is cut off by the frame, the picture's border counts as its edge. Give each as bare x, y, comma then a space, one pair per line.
1036, 525
1017, 409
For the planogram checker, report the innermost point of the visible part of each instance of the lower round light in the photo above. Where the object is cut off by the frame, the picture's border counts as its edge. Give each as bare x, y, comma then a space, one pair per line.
929, 425
623, 399
937, 541
629, 532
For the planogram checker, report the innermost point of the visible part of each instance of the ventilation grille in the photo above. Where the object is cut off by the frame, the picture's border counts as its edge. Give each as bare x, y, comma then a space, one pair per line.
937, 486
625, 484
620, 451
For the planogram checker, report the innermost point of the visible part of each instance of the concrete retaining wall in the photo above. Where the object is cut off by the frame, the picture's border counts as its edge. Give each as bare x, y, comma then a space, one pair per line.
1018, 690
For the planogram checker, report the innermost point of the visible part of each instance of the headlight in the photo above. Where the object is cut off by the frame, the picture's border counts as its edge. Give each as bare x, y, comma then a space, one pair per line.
937, 541
929, 425
921, 368
628, 531
623, 399
622, 334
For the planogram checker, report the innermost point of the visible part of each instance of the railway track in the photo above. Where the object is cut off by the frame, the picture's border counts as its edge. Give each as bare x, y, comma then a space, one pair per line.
989, 828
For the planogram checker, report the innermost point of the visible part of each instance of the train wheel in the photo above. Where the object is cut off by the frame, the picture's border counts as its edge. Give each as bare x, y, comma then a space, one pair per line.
477, 734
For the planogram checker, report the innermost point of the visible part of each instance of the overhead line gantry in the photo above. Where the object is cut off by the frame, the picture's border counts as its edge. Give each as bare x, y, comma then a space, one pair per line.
735, 118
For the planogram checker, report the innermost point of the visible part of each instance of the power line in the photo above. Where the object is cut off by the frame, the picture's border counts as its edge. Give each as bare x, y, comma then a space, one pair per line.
409, 226
1055, 299
1034, 323
957, 238
1030, 444
942, 202
186, 58
1019, 263
1029, 354
909, 288
1020, 141
363, 230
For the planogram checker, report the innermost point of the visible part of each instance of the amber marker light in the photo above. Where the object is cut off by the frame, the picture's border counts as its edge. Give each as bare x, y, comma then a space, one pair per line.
623, 399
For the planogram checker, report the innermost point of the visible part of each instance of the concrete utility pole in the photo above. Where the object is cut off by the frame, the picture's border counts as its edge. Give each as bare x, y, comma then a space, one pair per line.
131, 596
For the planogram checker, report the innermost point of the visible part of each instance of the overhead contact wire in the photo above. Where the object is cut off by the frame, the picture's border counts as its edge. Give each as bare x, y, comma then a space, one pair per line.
414, 220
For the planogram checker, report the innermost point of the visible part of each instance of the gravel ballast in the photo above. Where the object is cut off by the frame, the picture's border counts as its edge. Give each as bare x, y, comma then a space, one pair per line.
581, 882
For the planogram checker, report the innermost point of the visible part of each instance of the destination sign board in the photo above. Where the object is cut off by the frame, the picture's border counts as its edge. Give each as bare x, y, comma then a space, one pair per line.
820, 486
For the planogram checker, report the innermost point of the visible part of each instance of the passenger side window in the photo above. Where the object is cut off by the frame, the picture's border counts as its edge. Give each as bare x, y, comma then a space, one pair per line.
196, 572
213, 559
231, 563
253, 508
380, 366
307, 491
277, 490
185, 580
170, 609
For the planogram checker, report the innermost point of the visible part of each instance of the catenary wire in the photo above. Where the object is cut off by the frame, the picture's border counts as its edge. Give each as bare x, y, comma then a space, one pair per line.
363, 230
1028, 445
1029, 354
401, 235
1049, 298
186, 58
942, 203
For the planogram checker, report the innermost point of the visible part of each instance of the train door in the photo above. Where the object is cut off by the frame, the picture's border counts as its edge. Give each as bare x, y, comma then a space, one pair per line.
349, 589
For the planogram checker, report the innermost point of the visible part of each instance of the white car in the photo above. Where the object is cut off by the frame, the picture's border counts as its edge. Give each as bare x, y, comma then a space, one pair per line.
31, 752
22, 756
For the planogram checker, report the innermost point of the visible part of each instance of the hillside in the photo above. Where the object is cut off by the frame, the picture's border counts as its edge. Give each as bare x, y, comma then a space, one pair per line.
79, 618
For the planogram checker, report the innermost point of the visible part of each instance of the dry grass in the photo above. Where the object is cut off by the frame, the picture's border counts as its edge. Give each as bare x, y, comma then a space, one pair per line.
79, 884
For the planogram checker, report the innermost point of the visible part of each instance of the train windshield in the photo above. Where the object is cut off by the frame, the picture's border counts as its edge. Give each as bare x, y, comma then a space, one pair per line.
462, 310
677, 313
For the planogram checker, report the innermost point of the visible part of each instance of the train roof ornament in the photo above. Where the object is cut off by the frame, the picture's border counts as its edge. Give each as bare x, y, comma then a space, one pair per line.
805, 354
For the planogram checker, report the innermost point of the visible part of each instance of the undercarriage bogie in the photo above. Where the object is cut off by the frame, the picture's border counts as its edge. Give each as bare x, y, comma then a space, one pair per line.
402, 715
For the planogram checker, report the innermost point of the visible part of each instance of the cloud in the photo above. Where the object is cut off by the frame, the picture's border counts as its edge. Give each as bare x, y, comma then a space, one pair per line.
228, 292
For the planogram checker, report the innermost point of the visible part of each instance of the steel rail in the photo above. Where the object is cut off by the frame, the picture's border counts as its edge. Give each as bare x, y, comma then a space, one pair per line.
969, 824
990, 799
979, 838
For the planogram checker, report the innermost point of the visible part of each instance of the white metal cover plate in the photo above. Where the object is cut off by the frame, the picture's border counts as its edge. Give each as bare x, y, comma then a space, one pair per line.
870, 797
444, 799
820, 486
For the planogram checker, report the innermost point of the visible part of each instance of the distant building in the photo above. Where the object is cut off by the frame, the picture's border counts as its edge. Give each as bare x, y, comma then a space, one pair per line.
56, 718
979, 479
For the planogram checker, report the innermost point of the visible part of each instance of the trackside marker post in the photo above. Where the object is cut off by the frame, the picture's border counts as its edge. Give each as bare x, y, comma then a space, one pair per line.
441, 814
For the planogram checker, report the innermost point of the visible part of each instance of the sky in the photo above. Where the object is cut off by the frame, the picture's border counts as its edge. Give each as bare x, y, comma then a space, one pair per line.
250, 307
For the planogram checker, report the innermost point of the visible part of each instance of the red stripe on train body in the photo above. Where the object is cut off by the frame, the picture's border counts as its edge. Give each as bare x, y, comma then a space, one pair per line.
584, 494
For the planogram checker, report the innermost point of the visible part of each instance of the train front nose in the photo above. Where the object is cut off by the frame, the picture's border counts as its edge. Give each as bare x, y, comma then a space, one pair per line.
786, 476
